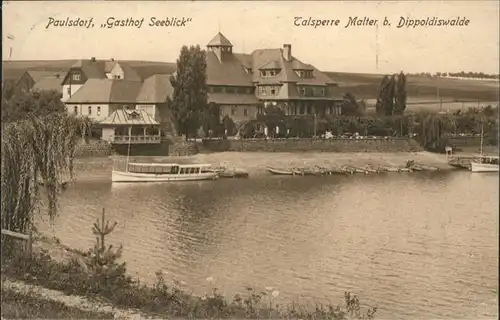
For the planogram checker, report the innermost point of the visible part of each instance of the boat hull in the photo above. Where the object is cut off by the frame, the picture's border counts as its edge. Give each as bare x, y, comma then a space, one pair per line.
121, 176
483, 167
280, 172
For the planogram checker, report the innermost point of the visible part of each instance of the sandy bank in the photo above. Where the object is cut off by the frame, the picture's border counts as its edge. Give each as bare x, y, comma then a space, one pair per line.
254, 162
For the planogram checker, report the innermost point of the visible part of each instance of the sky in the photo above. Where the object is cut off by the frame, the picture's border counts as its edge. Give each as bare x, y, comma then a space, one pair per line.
251, 25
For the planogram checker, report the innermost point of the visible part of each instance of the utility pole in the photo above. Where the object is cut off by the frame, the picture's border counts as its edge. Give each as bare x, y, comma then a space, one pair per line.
314, 122
12, 38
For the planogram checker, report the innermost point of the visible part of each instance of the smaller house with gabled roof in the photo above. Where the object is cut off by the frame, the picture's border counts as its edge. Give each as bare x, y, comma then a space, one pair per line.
97, 99
132, 126
79, 73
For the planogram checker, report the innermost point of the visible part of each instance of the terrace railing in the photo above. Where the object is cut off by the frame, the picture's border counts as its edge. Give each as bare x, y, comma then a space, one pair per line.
136, 139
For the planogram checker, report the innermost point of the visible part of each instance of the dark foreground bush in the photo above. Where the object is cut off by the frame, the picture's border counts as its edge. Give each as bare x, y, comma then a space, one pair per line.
98, 275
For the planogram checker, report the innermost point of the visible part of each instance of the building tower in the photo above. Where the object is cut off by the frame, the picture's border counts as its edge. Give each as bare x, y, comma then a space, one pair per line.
221, 46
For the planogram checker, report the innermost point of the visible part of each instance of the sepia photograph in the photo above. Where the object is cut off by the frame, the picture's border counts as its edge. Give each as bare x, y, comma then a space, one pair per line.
250, 159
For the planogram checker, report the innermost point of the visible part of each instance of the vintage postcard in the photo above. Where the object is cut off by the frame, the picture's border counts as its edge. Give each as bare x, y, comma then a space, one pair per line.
250, 159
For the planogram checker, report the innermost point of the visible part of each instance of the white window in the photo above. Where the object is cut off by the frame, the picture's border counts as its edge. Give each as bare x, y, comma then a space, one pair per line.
245, 112
75, 109
322, 91
76, 76
262, 91
90, 110
273, 91
303, 91
233, 110
98, 111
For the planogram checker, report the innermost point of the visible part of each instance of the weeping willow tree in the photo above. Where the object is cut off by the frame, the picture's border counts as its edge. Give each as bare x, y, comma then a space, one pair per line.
38, 145
35, 151
432, 129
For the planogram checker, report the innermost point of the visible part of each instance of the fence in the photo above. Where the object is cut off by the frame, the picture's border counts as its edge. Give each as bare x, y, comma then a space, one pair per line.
21, 236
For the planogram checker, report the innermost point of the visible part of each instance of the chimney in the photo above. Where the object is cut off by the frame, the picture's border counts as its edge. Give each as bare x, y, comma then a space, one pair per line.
112, 59
92, 59
287, 52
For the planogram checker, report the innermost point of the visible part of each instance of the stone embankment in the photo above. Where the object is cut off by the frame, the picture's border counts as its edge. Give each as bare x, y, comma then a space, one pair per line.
392, 144
172, 146
93, 148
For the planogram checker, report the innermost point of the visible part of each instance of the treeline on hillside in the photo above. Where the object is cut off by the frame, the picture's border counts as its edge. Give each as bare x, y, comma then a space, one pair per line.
461, 74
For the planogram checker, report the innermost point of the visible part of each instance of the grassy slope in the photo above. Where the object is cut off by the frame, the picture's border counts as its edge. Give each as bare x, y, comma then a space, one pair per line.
366, 86
20, 306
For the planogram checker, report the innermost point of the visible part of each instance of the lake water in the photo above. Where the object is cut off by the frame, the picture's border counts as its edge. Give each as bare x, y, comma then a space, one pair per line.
414, 245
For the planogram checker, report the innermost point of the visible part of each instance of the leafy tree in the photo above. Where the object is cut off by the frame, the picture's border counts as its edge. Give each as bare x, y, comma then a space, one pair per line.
385, 98
38, 145
273, 117
190, 90
229, 125
392, 95
432, 130
351, 107
20, 105
400, 94
211, 119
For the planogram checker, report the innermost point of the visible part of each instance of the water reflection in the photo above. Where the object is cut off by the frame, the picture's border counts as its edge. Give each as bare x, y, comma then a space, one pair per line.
417, 245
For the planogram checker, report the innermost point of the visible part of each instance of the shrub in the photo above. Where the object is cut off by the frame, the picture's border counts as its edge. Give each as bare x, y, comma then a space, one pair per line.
101, 275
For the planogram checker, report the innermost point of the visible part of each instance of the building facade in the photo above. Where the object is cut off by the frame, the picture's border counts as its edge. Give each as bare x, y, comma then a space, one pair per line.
242, 84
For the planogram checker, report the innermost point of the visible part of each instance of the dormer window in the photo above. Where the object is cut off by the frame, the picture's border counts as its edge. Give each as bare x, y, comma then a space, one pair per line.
269, 72
76, 76
304, 73
304, 91
132, 114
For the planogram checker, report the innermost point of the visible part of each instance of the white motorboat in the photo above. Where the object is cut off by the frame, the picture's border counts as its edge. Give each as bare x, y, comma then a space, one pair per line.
163, 172
484, 163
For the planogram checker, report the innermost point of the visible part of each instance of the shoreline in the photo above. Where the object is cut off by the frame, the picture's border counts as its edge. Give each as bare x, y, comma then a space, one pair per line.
256, 162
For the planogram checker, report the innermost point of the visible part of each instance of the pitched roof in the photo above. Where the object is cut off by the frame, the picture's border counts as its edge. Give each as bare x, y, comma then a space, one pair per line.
273, 64
228, 72
230, 98
129, 117
48, 84
128, 72
146, 70
91, 69
220, 41
299, 65
155, 89
12, 74
107, 91
38, 75
263, 57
